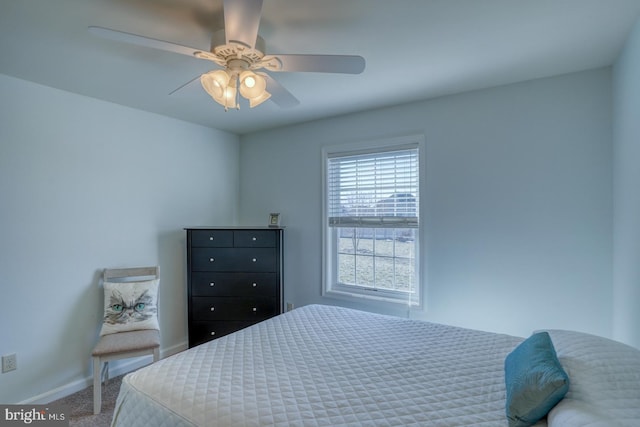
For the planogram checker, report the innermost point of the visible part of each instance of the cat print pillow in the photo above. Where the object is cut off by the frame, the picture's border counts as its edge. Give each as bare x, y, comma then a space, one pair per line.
130, 306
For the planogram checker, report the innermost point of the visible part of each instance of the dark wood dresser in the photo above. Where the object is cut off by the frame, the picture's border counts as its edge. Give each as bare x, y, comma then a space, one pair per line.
234, 279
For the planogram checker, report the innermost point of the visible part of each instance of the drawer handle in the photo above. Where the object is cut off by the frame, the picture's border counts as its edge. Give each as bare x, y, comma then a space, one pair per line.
211, 238
254, 238
212, 259
255, 309
213, 308
212, 333
254, 284
254, 259
212, 284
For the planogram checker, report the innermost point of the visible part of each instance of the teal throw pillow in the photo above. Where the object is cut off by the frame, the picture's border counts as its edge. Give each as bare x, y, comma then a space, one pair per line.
534, 379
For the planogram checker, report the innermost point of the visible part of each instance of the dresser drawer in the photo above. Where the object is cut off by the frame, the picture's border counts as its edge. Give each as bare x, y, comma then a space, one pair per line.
234, 284
211, 238
201, 332
254, 239
234, 259
233, 308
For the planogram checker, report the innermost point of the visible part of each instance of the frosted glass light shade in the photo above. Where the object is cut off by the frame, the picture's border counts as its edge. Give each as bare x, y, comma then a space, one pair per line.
252, 85
215, 83
254, 102
228, 100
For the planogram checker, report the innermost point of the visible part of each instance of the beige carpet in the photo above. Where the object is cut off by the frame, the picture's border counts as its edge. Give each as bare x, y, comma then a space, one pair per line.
80, 405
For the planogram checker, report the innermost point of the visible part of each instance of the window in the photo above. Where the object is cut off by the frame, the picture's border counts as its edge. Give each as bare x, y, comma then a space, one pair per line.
371, 221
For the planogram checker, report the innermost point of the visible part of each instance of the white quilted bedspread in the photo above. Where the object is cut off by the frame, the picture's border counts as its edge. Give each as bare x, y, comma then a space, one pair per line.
326, 366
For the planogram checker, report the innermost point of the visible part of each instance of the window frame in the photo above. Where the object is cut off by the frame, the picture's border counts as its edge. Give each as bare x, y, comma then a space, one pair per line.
330, 286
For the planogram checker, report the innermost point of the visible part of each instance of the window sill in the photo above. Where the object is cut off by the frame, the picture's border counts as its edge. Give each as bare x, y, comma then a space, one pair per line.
372, 298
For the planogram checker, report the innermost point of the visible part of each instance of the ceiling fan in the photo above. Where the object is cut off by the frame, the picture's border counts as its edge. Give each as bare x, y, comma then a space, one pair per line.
239, 52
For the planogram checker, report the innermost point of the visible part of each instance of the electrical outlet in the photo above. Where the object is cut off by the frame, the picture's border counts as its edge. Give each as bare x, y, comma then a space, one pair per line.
9, 363
289, 306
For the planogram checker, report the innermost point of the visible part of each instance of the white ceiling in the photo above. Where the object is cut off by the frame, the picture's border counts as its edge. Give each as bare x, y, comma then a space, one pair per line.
415, 49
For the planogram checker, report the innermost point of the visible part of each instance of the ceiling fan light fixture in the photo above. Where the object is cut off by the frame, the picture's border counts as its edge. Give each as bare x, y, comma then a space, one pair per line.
215, 83
252, 85
229, 98
221, 86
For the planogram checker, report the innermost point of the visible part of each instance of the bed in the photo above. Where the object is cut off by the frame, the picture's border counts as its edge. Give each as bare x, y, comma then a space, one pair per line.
331, 366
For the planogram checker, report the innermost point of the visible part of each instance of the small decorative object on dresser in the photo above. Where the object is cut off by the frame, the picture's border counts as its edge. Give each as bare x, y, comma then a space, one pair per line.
274, 220
234, 279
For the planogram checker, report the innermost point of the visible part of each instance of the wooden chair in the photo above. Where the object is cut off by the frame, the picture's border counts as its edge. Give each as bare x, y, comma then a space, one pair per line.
123, 345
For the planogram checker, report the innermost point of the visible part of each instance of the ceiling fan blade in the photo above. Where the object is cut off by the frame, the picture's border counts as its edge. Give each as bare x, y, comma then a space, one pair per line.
121, 36
190, 84
242, 20
347, 64
279, 95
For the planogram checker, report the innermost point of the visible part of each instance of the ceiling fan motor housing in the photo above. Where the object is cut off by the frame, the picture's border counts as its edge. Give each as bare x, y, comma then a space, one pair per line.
236, 49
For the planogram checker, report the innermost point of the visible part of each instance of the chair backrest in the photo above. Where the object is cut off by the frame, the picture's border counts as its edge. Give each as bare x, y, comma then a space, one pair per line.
124, 273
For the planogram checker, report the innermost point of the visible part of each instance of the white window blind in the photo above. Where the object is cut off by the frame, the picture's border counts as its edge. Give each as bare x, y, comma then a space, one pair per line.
376, 190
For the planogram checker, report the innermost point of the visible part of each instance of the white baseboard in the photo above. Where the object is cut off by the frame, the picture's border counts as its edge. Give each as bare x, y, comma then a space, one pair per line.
57, 393
122, 367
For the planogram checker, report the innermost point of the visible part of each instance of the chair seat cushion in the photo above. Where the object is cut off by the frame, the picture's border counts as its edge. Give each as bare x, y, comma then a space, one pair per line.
127, 341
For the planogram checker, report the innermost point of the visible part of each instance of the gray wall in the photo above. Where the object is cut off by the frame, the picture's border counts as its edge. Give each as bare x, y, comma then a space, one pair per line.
85, 185
626, 271
519, 204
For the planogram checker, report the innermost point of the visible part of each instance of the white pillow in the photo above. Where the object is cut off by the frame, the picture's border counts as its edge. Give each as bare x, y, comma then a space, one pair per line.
130, 306
604, 381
